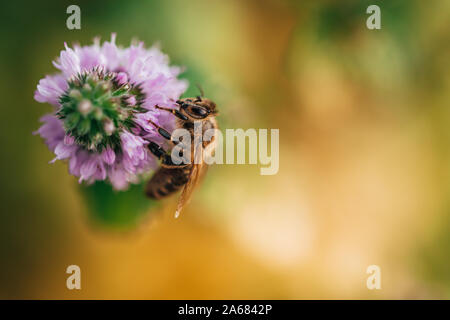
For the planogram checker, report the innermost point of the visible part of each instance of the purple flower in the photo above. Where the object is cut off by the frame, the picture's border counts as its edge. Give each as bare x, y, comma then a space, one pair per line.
104, 97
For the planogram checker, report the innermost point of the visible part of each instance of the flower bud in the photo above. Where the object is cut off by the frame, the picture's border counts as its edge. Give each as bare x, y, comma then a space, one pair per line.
108, 126
85, 107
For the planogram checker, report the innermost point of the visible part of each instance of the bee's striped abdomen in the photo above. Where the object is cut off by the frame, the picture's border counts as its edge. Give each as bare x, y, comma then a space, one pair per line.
166, 181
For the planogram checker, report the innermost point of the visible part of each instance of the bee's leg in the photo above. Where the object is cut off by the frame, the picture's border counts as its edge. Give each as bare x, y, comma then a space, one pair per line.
163, 132
175, 112
166, 160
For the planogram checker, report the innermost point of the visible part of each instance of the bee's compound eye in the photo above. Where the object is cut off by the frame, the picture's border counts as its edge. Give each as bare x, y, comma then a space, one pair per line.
199, 112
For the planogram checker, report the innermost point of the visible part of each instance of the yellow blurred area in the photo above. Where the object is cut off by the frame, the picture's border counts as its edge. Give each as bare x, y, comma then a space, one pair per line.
364, 163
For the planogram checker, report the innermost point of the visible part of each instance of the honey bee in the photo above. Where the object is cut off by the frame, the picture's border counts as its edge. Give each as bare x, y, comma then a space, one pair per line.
171, 177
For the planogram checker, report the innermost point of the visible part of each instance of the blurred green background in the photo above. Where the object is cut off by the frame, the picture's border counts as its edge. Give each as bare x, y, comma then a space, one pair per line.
364, 156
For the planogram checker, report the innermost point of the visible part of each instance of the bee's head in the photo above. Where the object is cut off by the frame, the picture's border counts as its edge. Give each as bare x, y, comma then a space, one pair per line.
197, 108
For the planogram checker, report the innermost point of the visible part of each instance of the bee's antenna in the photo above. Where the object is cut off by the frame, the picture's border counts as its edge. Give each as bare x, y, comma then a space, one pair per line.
202, 94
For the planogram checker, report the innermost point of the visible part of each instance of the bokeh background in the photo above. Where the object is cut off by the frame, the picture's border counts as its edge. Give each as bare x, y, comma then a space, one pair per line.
364, 173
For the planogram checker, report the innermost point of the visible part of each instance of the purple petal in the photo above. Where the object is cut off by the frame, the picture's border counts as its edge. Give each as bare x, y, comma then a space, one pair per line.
108, 155
50, 89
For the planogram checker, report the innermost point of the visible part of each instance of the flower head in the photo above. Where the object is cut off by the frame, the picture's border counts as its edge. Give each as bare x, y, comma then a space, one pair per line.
104, 97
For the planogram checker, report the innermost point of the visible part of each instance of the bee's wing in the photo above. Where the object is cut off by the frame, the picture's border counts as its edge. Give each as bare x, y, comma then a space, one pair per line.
197, 172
